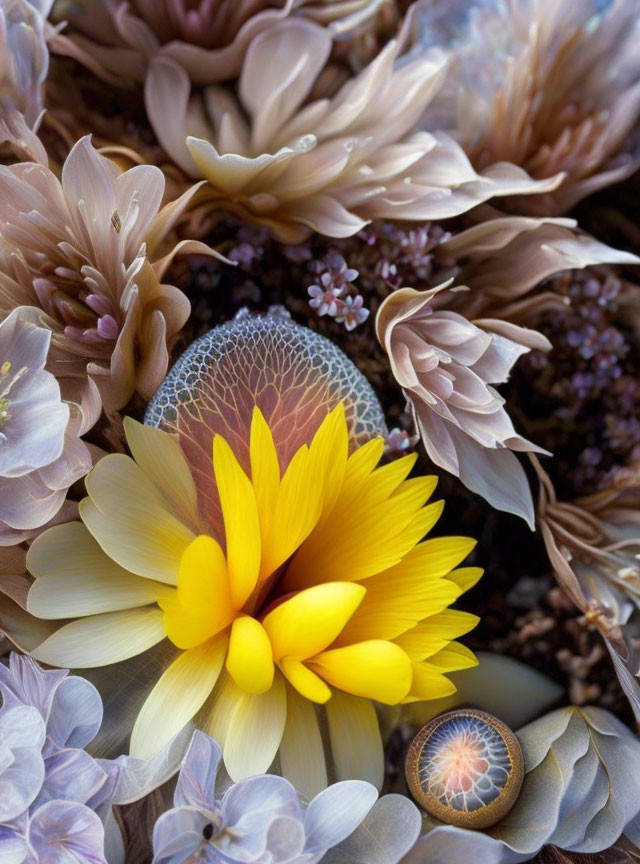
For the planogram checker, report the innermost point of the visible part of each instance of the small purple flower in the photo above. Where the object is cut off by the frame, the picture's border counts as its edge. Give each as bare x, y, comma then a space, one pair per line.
330, 295
398, 441
326, 301
352, 312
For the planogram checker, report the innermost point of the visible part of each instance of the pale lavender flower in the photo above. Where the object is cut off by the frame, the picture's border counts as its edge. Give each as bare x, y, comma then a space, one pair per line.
55, 799
41, 453
51, 789
325, 299
258, 819
24, 60
352, 312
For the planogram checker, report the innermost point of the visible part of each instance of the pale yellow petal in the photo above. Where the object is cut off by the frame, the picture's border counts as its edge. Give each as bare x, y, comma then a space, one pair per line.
241, 523
375, 669
255, 730
302, 756
306, 682
102, 639
179, 694
308, 622
250, 661
74, 577
128, 518
159, 455
356, 744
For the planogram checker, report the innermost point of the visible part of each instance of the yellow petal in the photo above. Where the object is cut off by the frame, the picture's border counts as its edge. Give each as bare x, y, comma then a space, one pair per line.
453, 658
356, 744
179, 694
102, 639
373, 535
465, 577
435, 633
328, 457
429, 683
265, 470
302, 757
242, 527
250, 661
306, 682
308, 622
375, 669
203, 581
159, 455
201, 606
399, 598
185, 629
295, 513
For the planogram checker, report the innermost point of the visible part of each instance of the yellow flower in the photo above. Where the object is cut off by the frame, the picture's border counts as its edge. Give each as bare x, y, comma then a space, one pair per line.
321, 593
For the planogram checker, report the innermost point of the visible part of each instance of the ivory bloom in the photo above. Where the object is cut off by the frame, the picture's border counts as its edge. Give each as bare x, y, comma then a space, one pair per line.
320, 592
278, 155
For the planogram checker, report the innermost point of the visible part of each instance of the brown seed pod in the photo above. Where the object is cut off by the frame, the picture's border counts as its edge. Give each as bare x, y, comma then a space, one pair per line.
466, 768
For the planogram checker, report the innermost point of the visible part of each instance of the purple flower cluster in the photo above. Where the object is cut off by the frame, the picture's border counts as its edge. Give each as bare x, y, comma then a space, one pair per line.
585, 389
331, 295
390, 255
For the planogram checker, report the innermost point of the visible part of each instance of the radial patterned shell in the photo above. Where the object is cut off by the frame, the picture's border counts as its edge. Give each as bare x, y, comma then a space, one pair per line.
466, 768
294, 375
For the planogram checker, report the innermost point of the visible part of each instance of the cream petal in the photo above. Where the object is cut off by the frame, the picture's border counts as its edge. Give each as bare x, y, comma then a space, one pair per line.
356, 744
176, 698
255, 730
74, 577
127, 516
302, 757
159, 455
102, 639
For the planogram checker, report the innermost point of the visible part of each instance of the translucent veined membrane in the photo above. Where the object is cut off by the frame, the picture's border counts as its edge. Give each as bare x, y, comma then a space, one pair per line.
294, 375
466, 768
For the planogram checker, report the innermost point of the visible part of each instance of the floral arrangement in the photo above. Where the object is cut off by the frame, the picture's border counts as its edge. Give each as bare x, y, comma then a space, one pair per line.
271, 271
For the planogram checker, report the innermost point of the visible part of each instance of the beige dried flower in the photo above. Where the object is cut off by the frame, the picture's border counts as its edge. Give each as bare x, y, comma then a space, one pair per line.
593, 544
550, 85
504, 259
117, 39
446, 366
85, 250
276, 155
